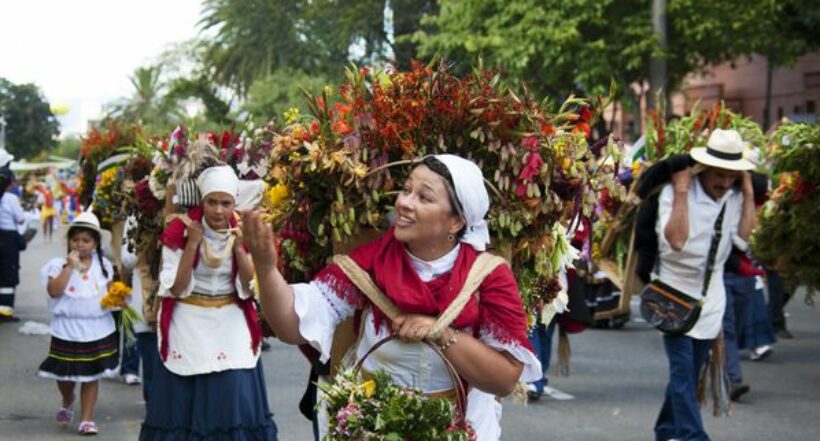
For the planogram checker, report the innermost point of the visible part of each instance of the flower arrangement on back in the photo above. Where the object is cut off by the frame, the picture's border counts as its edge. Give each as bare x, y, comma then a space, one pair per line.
788, 231
342, 164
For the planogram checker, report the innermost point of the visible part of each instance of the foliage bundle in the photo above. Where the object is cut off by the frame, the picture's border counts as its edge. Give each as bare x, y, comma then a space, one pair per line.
788, 236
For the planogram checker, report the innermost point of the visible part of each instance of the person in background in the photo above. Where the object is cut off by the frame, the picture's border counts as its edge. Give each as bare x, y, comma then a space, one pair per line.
84, 337
778, 298
699, 218
11, 243
142, 350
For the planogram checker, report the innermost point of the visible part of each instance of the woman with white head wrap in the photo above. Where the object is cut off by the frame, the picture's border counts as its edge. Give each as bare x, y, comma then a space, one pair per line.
420, 264
208, 332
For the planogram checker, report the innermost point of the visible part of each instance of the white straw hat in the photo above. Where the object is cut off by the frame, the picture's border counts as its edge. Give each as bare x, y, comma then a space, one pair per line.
87, 219
723, 150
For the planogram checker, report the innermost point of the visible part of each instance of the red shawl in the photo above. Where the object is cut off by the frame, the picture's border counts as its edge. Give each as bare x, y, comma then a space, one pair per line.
497, 310
174, 238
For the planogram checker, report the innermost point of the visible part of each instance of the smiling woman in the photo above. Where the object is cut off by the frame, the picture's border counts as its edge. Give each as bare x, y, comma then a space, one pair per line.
420, 265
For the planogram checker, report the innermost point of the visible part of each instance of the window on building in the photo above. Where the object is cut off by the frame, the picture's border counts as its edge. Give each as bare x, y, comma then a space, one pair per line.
797, 109
810, 107
779, 113
811, 80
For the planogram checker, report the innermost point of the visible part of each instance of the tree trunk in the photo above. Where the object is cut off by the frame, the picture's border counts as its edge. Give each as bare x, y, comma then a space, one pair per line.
657, 65
767, 108
407, 20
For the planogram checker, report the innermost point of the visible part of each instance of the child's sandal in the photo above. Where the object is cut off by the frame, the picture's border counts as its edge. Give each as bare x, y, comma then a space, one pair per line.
64, 416
87, 428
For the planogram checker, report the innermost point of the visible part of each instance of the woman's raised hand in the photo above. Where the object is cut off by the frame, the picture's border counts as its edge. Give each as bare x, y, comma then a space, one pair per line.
258, 236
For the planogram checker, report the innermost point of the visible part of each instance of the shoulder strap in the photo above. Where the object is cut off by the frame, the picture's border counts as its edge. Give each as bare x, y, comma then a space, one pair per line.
362, 280
710, 260
482, 267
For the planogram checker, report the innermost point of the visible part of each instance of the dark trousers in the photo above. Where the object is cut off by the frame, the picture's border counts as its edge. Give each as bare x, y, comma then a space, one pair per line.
147, 344
9, 266
130, 360
541, 341
777, 300
679, 417
738, 289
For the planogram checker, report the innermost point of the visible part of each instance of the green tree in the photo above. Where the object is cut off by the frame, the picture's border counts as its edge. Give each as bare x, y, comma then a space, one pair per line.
555, 47
270, 97
149, 105
791, 28
559, 47
31, 127
252, 39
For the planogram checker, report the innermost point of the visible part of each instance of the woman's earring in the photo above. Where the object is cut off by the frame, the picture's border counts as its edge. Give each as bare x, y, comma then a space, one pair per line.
451, 238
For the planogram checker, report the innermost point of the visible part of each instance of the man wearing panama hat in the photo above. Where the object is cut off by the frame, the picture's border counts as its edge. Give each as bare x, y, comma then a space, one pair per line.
715, 196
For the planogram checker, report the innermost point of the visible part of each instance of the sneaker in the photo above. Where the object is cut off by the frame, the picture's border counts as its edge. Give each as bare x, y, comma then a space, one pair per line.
9, 319
532, 392
760, 353
64, 416
738, 390
87, 428
131, 379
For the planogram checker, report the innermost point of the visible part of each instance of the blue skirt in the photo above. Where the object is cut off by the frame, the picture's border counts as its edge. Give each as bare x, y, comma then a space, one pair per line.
222, 406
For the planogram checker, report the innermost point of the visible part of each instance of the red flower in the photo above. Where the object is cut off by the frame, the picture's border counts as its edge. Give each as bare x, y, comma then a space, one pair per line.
531, 168
148, 204
581, 126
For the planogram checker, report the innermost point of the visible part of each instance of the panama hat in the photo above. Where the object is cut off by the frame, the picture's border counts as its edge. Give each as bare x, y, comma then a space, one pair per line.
86, 219
723, 150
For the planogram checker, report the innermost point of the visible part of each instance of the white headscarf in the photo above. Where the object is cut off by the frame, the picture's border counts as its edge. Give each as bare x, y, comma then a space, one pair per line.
472, 194
221, 178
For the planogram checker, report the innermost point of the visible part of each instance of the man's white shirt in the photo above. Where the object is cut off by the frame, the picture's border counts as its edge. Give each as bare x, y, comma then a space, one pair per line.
685, 270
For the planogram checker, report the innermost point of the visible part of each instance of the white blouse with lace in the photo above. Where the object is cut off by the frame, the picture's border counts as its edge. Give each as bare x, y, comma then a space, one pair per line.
320, 310
206, 339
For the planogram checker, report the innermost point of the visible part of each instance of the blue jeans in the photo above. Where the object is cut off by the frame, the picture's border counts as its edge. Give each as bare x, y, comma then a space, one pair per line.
777, 300
130, 359
736, 298
757, 330
147, 344
679, 417
541, 341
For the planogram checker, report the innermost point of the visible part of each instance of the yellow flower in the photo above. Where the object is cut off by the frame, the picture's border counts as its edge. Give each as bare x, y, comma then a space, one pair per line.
360, 171
369, 388
277, 195
115, 297
292, 115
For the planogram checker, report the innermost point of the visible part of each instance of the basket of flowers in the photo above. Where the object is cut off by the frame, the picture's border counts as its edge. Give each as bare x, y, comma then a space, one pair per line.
341, 165
374, 407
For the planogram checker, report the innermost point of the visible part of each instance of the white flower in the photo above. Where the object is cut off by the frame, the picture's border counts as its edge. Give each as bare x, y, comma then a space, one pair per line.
156, 187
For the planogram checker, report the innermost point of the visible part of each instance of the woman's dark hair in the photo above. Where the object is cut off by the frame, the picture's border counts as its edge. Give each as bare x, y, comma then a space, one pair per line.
440, 169
72, 231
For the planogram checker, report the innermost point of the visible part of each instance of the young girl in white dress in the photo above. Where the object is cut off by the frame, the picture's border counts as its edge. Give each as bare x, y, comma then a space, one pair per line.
84, 341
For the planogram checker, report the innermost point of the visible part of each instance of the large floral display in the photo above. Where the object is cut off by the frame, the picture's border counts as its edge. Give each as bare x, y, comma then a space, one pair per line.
788, 235
341, 165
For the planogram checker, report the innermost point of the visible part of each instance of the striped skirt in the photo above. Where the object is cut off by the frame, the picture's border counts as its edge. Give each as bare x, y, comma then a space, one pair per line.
81, 361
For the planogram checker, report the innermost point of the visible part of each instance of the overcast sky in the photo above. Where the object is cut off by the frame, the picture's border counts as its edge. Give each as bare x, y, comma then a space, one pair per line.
81, 52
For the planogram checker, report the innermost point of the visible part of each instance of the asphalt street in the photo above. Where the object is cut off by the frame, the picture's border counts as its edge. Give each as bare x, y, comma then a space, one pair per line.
617, 381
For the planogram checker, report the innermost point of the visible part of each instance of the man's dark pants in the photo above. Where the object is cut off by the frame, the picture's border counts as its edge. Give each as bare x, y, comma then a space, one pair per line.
679, 417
